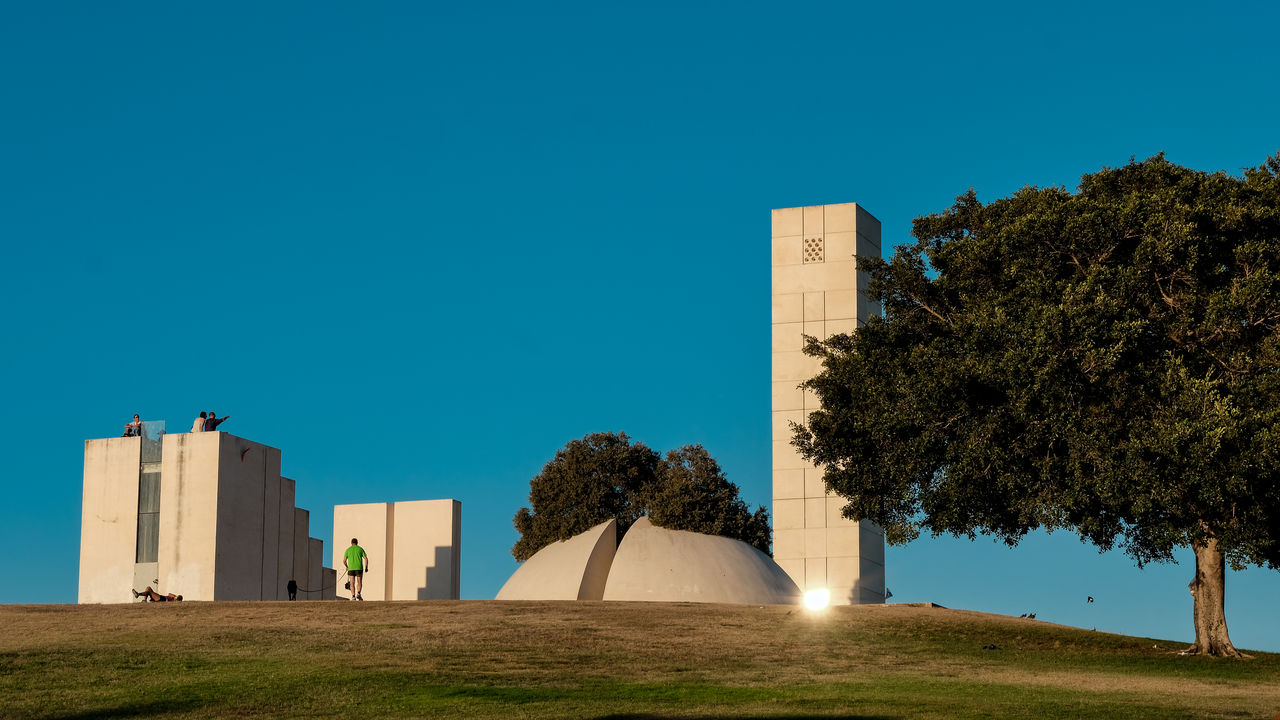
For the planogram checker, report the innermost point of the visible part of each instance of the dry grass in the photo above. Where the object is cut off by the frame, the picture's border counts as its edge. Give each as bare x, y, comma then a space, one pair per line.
502, 659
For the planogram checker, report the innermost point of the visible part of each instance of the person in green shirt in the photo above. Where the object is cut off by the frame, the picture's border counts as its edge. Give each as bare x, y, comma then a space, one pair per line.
356, 562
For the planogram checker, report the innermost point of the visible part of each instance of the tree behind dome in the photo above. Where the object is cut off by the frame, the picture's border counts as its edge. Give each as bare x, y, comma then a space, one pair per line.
607, 475
693, 494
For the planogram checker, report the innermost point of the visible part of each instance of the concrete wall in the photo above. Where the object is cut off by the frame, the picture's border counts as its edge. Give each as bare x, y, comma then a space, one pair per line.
372, 525
228, 528
271, 587
426, 549
220, 517
301, 566
237, 554
315, 560
284, 542
817, 291
414, 548
109, 519
329, 591
189, 515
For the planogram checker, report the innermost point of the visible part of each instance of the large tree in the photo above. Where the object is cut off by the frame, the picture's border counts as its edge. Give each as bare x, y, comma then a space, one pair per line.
589, 481
693, 494
1105, 361
607, 475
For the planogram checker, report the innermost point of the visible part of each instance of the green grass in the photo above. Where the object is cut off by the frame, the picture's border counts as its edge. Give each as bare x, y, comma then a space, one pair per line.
595, 660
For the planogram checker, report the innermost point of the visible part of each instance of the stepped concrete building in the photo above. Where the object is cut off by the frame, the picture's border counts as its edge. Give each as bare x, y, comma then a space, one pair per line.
414, 548
818, 291
203, 515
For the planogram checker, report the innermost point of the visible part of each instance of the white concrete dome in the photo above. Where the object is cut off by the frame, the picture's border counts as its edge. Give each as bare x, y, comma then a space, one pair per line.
663, 565
573, 569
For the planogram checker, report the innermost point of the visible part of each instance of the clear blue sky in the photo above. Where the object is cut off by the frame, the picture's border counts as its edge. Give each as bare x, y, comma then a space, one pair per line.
420, 246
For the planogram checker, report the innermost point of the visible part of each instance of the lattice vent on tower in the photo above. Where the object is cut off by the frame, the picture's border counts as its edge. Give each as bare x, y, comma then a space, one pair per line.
814, 251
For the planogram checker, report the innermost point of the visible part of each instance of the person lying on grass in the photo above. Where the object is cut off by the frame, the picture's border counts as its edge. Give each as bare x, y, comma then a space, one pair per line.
153, 596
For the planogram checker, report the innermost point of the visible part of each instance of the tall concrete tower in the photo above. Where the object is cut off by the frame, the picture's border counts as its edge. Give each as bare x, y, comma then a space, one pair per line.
818, 291
206, 515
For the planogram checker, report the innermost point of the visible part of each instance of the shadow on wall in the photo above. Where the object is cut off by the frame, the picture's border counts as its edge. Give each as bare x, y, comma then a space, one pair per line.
439, 580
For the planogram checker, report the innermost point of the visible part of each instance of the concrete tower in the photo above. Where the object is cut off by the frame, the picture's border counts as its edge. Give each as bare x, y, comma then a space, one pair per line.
204, 515
818, 291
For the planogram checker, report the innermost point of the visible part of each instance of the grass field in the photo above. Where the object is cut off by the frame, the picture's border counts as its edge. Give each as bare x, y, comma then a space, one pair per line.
597, 660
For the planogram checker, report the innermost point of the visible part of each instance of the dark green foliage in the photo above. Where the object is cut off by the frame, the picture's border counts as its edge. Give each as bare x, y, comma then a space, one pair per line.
1105, 361
606, 475
588, 482
693, 494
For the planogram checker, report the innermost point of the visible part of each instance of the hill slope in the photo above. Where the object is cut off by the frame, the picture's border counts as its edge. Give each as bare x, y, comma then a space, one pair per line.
616, 660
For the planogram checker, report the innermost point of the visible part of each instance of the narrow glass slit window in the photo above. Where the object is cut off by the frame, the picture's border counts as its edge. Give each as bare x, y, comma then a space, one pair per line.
148, 517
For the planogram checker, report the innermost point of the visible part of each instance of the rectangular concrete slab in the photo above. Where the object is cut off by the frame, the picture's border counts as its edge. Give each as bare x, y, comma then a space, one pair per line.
271, 590
372, 525
315, 564
241, 525
189, 515
301, 534
284, 542
427, 541
109, 519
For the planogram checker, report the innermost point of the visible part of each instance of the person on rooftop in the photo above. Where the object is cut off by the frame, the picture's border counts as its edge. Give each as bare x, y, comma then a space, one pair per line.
198, 425
133, 429
213, 421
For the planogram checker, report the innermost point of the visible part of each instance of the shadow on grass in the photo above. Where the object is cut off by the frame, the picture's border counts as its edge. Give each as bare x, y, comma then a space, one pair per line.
133, 710
788, 716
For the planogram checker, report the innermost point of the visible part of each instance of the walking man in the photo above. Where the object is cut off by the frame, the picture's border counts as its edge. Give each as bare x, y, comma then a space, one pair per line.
356, 562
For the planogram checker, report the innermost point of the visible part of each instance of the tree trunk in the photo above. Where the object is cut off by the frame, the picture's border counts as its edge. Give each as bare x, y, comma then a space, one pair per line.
1208, 589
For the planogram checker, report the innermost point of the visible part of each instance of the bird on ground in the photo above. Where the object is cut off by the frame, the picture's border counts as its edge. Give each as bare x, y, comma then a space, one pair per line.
1022, 615
1031, 616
